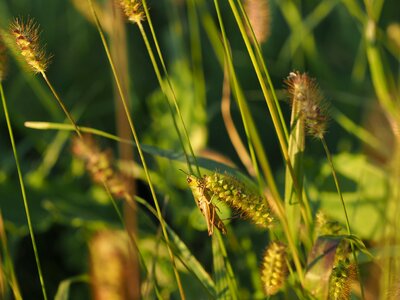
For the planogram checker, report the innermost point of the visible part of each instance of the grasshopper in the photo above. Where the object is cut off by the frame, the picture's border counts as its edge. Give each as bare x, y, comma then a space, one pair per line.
203, 201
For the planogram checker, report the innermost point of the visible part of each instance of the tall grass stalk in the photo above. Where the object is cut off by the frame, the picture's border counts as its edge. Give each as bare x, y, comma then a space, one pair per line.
24, 198
219, 49
231, 129
225, 59
62, 105
273, 105
171, 89
132, 238
136, 139
329, 157
278, 202
8, 271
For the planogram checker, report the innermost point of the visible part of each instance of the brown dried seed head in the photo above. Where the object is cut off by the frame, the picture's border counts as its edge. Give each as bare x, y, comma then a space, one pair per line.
259, 15
274, 268
133, 10
27, 40
305, 91
100, 165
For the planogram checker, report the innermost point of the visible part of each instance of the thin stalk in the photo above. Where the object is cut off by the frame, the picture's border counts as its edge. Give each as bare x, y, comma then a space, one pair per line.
276, 120
329, 156
174, 99
271, 105
232, 76
8, 263
290, 240
245, 125
160, 82
134, 134
215, 40
233, 134
196, 52
132, 238
68, 127
24, 198
61, 103
291, 243
264, 67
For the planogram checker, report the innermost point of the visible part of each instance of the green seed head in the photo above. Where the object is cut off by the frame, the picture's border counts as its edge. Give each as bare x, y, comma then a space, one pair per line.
340, 280
274, 268
325, 226
237, 195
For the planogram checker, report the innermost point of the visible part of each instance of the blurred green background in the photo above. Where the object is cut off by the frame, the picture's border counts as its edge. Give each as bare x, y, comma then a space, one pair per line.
324, 40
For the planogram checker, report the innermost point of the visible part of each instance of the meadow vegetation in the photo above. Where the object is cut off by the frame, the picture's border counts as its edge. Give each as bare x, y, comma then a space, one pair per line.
199, 149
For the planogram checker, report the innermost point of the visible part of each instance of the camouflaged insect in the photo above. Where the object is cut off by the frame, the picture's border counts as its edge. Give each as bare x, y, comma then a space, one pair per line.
203, 200
248, 203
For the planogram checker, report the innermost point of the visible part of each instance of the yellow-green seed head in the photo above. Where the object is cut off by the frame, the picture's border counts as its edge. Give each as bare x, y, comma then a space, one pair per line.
340, 280
325, 226
26, 37
3, 60
238, 196
133, 10
305, 91
100, 165
274, 268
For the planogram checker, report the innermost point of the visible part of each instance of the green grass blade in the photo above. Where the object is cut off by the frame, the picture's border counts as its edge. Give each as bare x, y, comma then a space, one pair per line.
136, 139
226, 285
186, 257
64, 286
24, 198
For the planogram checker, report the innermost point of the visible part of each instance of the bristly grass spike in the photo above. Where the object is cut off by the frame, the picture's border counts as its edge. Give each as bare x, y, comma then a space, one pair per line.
203, 201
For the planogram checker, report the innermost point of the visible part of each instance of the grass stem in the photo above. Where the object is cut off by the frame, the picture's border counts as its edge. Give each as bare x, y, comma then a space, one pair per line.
139, 148
61, 103
329, 157
24, 198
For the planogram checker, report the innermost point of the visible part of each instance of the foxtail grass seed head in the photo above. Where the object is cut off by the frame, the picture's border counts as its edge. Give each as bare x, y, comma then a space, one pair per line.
109, 256
342, 276
313, 111
3, 60
325, 226
237, 195
100, 165
203, 201
259, 15
274, 268
133, 10
26, 35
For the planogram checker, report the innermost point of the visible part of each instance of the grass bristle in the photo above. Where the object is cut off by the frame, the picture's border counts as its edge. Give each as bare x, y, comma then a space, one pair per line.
133, 10
26, 35
313, 111
274, 268
237, 195
99, 164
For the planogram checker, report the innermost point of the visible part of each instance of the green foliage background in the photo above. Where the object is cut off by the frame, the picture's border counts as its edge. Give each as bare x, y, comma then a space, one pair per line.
67, 208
